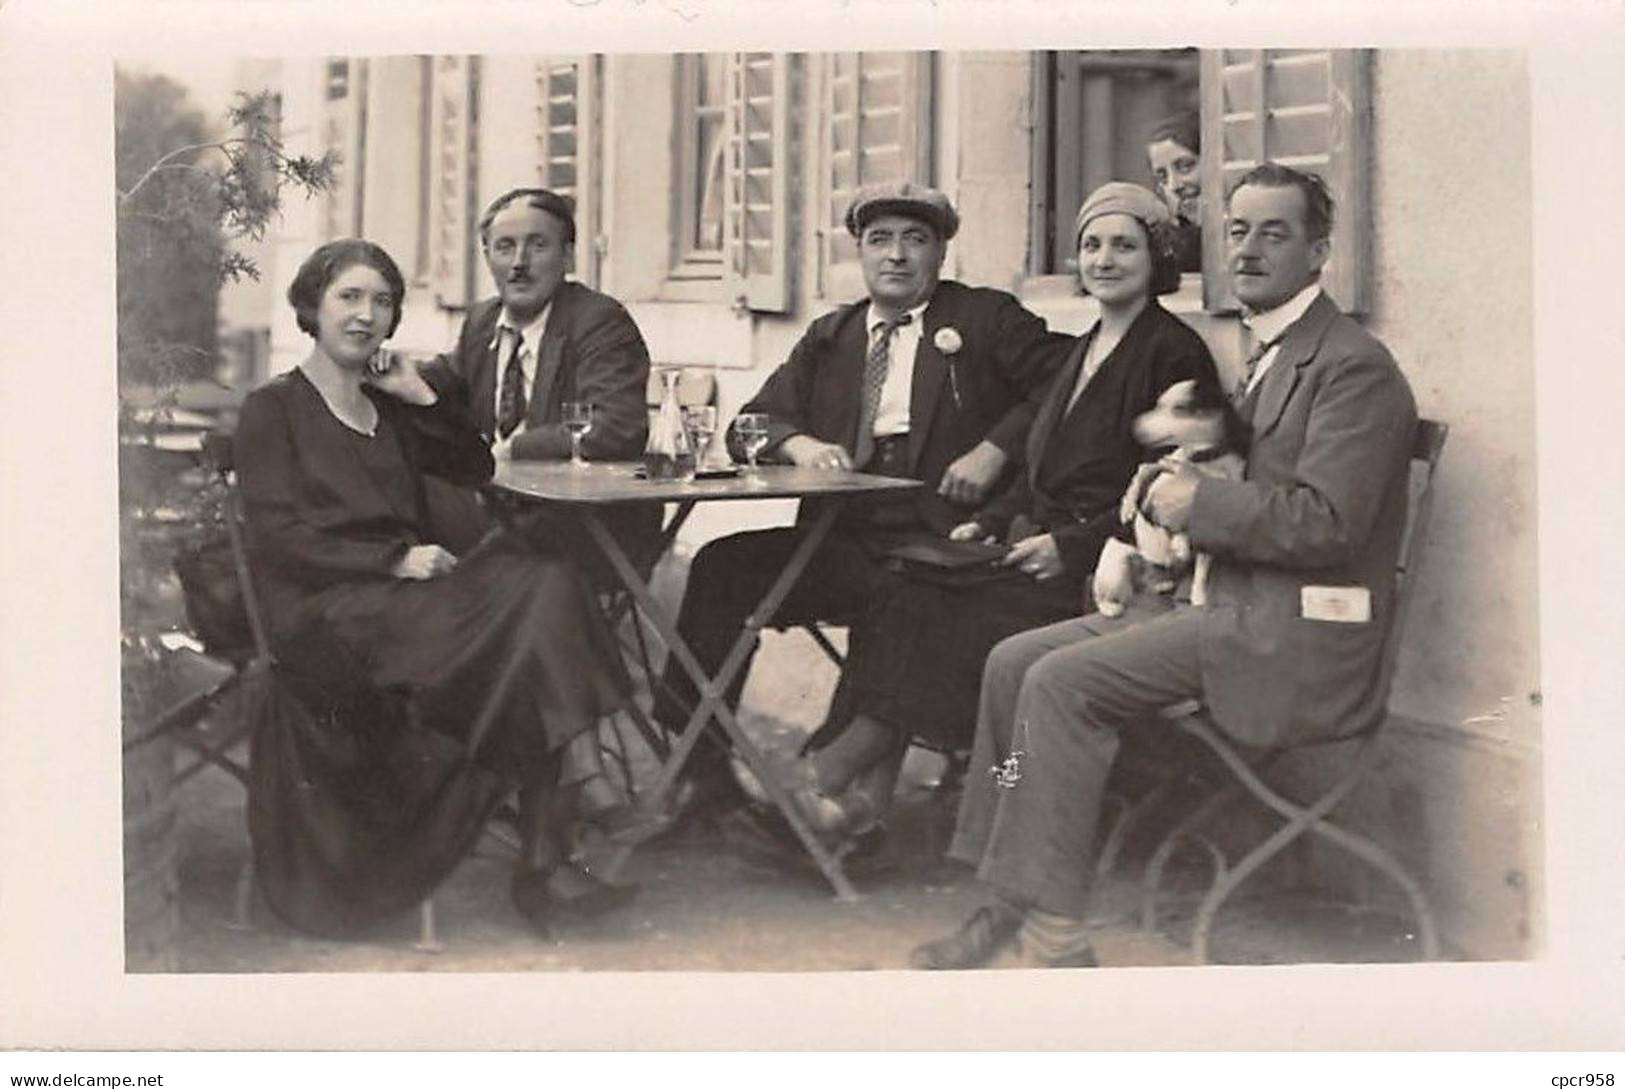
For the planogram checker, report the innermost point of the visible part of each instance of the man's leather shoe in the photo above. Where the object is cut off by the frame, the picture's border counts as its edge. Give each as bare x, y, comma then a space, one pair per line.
974, 944
564, 894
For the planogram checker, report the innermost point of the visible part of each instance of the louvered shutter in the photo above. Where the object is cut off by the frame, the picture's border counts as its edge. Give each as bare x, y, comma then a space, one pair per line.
1307, 109
343, 99
568, 92
451, 174
757, 191
876, 129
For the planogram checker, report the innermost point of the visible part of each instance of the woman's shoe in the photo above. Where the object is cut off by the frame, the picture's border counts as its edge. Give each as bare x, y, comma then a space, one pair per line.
977, 941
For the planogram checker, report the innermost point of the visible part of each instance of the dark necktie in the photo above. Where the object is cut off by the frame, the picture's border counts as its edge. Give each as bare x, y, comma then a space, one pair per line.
511, 398
1238, 396
876, 365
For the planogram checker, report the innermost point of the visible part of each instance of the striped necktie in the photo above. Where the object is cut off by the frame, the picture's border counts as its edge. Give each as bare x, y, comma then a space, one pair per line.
1244, 385
511, 398
876, 365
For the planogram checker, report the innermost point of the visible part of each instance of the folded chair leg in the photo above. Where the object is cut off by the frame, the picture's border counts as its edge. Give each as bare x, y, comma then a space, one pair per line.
1151, 882
1380, 858
428, 941
1300, 820
1130, 814
1233, 880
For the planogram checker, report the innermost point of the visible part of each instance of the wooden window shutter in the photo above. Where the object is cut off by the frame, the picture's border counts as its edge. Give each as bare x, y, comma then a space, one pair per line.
451, 159
876, 128
757, 191
344, 132
1307, 109
568, 95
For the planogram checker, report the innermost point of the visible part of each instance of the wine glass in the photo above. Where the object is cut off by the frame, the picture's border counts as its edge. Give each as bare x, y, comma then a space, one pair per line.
577, 421
701, 423
752, 430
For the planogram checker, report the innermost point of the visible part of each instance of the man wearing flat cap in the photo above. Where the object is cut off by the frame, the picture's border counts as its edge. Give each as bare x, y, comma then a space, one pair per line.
926, 378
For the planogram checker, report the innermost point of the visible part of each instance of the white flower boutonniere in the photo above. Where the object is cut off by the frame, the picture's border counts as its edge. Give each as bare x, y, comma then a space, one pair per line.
948, 342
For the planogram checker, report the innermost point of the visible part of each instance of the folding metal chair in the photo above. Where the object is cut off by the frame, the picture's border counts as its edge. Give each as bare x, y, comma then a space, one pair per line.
213, 742
1247, 769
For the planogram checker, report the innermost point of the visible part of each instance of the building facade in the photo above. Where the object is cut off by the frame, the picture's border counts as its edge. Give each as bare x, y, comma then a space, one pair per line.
710, 190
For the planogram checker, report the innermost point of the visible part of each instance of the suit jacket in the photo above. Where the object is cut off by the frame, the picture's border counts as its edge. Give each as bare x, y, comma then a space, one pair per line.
1078, 461
989, 389
319, 516
590, 350
1322, 504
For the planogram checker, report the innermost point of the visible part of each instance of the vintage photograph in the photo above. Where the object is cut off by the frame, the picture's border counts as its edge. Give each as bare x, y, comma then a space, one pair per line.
821, 511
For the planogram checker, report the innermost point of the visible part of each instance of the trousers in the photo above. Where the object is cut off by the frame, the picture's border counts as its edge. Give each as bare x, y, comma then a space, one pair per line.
727, 580
1053, 702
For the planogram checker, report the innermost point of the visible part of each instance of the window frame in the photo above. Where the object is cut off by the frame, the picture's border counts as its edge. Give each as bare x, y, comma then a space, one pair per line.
694, 273
1347, 171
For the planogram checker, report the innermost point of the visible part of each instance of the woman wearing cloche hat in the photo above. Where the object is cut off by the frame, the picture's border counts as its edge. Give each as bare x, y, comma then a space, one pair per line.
915, 667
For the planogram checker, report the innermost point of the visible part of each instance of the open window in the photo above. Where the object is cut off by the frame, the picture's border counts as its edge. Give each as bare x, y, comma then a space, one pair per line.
1099, 108
702, 134
1308, 109
731, 220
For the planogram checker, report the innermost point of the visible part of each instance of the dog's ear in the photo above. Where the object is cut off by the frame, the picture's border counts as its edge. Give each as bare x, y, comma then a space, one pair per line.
1207, 396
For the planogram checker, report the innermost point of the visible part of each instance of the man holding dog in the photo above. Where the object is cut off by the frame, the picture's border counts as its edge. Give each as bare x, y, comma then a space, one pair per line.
1299, 596
926, 378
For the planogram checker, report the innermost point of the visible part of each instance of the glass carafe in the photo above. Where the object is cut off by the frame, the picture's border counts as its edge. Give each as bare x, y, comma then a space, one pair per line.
669, 455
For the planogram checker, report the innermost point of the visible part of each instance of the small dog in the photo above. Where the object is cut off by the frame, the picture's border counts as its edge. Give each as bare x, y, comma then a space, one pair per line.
1199, 427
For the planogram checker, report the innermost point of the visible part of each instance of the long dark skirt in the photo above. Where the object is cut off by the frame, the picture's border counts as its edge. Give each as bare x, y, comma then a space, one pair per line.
402, 713
915, 661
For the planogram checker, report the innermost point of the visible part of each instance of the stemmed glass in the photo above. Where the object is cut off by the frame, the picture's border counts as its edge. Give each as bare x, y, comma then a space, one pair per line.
752, 430
701, 423
577, 421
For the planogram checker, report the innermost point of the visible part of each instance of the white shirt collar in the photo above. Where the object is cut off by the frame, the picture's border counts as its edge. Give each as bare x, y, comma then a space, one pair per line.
1271, 324
915, 317
530, 333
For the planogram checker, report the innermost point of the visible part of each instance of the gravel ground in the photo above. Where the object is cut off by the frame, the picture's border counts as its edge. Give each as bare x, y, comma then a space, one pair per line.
715, 898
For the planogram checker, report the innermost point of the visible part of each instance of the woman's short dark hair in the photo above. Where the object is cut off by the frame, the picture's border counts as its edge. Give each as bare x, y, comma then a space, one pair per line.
1183, 128
1162, 239
321, 268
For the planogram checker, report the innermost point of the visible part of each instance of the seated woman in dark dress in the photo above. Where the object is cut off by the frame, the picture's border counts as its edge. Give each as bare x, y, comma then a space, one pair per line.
424, 686
915, 663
